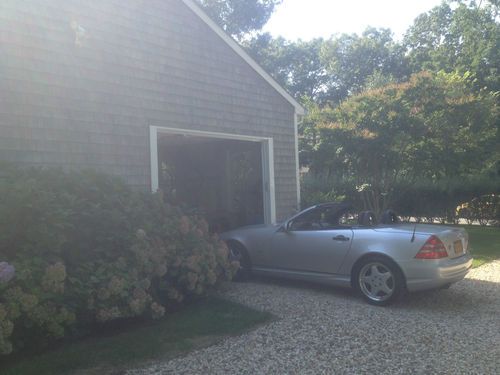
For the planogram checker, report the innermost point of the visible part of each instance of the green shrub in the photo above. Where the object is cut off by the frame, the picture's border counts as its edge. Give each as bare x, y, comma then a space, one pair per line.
440, 199
423, 198
87, 249
484, 210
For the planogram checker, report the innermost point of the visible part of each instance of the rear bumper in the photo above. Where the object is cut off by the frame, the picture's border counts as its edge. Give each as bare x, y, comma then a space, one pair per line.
422, 274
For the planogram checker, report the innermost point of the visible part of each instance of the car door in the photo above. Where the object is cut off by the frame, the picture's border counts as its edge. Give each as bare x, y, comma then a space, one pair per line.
311, 244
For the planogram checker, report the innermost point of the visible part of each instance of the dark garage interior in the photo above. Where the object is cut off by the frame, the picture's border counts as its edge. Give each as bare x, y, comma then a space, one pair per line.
220, 179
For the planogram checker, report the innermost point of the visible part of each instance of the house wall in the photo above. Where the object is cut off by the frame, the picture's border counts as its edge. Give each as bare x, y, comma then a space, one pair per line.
86, 99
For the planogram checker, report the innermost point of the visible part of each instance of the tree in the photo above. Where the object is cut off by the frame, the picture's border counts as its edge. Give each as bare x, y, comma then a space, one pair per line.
295, 65
432, 127
240, 17
331, 70
458, 36
351, 60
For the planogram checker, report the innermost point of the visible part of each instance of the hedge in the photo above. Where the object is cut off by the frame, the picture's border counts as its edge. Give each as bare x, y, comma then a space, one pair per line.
79, 249
473, 198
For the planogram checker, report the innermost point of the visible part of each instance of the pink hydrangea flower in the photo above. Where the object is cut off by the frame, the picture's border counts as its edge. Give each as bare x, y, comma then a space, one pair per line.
7, 272
184, 225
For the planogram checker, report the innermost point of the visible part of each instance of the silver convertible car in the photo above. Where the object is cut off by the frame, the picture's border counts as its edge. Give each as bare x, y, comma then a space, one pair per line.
327, 243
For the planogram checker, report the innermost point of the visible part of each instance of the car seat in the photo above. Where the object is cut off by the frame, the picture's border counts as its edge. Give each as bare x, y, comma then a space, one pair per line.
367, 218
389, 217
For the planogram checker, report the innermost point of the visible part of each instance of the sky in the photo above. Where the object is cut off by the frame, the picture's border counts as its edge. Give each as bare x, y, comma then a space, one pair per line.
308, 19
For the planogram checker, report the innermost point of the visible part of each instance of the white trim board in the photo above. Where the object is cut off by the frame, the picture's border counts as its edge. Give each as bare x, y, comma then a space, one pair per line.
153, 152
267, 161
297, 164
245, 56
203, 133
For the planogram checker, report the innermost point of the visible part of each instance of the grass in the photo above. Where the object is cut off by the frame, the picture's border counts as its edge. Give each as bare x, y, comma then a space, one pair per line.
484, 243
197, 325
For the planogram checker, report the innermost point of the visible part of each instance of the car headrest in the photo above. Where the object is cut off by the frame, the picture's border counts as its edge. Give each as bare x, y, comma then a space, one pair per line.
367, 218
389, 217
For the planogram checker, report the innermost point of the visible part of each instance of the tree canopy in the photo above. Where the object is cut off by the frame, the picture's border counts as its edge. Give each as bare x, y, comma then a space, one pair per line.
431, 127
458, 36
240, 17
295, 65
351, 61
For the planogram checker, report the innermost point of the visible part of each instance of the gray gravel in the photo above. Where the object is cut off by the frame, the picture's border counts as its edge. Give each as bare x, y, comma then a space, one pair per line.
322, 330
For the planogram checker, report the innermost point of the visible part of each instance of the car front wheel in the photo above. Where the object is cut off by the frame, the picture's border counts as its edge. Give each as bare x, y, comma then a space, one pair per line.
239, 254
379, 281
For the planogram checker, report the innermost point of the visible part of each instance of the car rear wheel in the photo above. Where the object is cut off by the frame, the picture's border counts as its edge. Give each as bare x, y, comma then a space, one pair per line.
239, 254
379, 281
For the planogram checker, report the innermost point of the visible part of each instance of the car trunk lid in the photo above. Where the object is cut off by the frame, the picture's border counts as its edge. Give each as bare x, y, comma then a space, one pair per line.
410, 227
455, 240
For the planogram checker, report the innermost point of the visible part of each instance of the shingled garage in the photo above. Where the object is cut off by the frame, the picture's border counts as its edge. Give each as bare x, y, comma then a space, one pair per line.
152, 91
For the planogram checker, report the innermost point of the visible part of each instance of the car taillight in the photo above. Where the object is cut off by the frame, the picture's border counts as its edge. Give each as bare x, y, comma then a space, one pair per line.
433, 249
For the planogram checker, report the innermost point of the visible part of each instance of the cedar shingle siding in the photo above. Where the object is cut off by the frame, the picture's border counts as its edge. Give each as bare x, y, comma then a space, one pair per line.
140, 63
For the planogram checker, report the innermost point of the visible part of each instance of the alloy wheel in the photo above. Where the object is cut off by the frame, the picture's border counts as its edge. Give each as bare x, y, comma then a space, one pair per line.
377, 281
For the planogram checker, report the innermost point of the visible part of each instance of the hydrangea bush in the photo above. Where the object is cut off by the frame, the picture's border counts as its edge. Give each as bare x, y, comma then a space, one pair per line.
81, 248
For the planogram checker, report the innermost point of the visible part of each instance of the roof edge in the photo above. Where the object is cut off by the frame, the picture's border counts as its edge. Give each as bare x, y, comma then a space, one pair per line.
244, 55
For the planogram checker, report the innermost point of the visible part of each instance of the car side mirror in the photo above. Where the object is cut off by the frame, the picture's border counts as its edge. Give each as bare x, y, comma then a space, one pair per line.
285, 227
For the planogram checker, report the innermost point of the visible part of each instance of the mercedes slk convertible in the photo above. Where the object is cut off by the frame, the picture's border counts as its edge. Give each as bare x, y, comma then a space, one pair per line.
330, 244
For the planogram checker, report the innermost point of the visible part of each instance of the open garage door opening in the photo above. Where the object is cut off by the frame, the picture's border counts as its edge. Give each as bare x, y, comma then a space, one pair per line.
223, 178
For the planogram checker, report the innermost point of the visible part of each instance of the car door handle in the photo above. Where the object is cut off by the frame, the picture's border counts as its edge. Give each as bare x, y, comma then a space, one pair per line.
340, 238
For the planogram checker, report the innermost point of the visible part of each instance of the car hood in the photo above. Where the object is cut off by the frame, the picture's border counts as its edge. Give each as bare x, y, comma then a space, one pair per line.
250, 229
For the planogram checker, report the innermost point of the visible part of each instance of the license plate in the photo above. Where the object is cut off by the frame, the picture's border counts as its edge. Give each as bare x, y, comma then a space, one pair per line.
459, 248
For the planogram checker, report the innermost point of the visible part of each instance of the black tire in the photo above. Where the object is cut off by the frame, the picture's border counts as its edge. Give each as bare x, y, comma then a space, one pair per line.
237, 252
445, 286
379, 280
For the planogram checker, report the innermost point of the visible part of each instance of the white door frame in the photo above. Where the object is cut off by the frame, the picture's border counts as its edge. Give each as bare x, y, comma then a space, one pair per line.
267, 148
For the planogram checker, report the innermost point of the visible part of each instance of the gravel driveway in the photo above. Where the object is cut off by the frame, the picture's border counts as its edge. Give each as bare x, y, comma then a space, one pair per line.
322, 330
